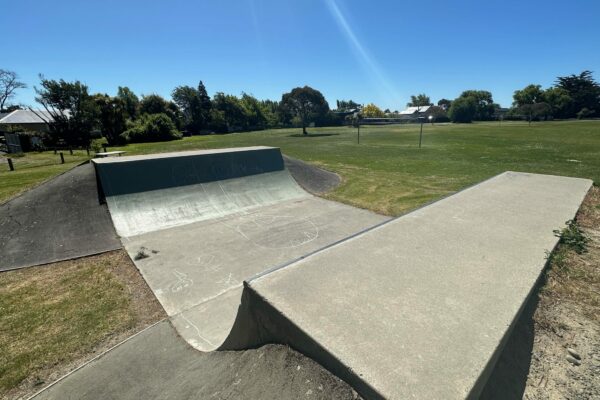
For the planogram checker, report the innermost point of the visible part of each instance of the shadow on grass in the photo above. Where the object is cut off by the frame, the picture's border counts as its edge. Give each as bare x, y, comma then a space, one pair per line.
313, 134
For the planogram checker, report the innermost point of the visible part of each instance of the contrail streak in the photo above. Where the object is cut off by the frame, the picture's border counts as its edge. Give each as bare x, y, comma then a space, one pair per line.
363, 56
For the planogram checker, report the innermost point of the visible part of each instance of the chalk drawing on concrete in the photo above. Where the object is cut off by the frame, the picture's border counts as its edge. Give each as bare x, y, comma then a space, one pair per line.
182, 282
278, 231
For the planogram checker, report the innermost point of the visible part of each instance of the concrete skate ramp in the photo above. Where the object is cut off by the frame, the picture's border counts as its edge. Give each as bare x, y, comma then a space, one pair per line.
149, 193
421, 306
195, 240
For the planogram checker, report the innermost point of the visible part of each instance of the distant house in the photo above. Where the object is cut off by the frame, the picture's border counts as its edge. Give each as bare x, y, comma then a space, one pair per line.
23, 129
25, 121
414, 112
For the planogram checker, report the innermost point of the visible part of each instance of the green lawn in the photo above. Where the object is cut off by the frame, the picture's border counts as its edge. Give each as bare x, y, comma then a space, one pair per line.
33, 168
389, 174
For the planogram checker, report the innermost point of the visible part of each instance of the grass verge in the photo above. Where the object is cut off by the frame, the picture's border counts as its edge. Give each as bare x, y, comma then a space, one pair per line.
55, 317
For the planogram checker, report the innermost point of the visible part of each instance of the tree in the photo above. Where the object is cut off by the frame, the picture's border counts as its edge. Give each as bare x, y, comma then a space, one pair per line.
195, 106
155, 104
72, 109
112, 115
485, 106
463, 109
9, 83
372, 111
306, 103
559, 101
230, 113
419, 100
583, 90
347, 105
130, 101
531, 94
254, 112
444, 103
151, 128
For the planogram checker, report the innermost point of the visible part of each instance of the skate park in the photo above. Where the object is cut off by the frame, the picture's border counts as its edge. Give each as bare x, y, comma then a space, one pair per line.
395, 307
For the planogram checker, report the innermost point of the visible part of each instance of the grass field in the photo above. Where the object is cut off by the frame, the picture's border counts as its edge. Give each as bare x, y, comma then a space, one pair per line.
388, 173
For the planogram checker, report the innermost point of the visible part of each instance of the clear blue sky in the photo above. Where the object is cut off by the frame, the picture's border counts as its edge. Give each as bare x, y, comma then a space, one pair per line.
368, 51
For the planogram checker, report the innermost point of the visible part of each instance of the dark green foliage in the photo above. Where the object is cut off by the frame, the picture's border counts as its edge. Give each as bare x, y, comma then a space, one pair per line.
347, 105
572, 237
130, 101
306, 104
444, 103
151, 128
419, 100
195, 106
583, 90
463, 110
155, 104
73, 111
484, 104
112, 117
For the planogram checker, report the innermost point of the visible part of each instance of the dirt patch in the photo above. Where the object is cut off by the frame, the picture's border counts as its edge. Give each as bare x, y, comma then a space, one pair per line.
567, 321
56, 317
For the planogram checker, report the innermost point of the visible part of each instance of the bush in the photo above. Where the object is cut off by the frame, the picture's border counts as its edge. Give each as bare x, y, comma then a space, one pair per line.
152, 128
463, 109
585, 113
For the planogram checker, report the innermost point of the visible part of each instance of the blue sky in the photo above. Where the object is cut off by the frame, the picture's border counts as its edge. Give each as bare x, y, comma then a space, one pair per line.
368, 51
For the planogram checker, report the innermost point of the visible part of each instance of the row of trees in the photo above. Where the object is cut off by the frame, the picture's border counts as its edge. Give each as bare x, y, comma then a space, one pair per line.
125, 117
572, 96
73, 113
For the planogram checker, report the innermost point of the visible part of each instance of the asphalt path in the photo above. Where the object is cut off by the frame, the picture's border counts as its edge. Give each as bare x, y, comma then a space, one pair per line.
58, 220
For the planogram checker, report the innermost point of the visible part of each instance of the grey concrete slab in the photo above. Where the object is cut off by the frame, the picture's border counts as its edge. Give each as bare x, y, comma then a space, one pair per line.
58, 220
197, 270
420, 307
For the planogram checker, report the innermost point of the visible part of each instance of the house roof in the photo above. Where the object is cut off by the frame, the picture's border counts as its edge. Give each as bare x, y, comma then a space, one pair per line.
412, 110
21, 117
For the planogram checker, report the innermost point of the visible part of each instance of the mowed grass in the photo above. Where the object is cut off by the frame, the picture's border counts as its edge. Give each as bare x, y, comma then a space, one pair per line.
388, 173
31, 169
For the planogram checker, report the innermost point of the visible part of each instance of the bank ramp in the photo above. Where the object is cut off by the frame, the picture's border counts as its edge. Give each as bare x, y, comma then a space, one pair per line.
416, 307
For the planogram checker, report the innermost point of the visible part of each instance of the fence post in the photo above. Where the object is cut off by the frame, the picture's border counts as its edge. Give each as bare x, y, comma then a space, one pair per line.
10, 164
62, 158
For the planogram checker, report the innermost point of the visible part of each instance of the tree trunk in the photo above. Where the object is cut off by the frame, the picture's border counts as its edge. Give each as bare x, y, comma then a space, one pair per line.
304, 129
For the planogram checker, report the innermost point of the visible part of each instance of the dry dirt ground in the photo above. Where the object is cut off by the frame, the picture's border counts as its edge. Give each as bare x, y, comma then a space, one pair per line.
568, 318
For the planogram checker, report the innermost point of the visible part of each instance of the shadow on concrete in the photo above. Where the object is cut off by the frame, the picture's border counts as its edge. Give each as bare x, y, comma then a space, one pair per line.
509, 377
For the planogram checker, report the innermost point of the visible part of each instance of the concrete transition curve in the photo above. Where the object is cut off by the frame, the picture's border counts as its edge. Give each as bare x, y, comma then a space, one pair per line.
415, 307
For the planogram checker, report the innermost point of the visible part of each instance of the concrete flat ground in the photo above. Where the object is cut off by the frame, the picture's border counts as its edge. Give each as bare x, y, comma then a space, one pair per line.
421, 306
197, 270
58, 220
